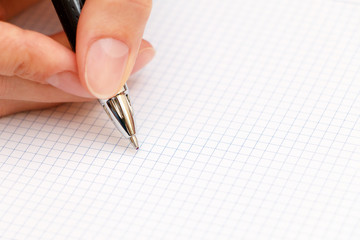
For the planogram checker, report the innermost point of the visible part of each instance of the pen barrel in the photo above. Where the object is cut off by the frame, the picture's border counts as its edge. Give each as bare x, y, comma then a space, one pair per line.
118, 107
120, 111
69, 13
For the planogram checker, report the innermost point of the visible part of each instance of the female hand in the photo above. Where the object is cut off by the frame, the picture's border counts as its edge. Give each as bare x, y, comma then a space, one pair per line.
37, 71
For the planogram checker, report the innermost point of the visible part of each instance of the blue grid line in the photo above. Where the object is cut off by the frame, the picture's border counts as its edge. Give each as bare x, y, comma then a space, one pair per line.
5, 212
30, 178
319, 96
24, 224
68, 178
333, 140
12, 170
309, 94
289, 107
235, 115
264, 87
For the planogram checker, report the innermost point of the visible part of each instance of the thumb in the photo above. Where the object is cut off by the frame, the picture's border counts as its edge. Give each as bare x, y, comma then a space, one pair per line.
108, 40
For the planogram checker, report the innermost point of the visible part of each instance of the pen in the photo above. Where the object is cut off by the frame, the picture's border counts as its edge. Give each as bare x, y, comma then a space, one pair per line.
118, 108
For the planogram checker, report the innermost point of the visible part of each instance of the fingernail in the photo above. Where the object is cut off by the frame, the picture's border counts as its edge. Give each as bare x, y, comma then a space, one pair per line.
144, 57
70, 83
105, 66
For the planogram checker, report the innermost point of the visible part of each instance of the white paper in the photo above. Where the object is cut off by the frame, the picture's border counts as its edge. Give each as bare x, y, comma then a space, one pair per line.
248, 120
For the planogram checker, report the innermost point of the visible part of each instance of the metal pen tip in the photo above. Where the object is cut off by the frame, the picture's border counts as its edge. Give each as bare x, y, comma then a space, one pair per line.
134, 142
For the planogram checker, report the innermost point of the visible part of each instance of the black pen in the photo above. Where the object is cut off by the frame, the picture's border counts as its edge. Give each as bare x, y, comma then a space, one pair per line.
119, 107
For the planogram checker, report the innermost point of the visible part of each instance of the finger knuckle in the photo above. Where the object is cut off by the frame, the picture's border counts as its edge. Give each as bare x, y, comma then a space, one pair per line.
17, 62
23, 66
20, 67
18, 53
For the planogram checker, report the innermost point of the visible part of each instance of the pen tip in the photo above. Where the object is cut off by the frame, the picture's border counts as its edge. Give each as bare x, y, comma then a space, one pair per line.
134, 142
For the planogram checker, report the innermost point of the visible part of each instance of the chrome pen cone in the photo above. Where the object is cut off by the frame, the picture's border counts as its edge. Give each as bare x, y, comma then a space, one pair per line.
134, 142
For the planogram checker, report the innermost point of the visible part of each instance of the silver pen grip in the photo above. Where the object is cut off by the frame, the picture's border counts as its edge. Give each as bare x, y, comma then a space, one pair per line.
121, 113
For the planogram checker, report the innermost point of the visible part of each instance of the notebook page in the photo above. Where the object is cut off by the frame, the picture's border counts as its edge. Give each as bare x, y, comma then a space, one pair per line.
248, 120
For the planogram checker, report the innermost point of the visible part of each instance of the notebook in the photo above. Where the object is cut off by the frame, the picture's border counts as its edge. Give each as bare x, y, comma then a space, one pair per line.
248, 121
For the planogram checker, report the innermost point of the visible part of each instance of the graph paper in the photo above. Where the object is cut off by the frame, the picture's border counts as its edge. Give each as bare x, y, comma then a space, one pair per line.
248, 120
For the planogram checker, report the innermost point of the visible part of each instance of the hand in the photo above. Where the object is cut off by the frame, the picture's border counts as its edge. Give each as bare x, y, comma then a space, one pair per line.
37, 71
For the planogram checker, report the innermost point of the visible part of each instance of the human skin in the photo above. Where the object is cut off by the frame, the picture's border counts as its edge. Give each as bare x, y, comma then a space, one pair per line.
38, 71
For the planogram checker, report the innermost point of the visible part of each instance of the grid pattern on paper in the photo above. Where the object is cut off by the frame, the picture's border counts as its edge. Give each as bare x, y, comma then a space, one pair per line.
249, 126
